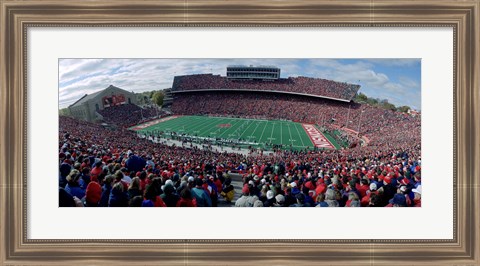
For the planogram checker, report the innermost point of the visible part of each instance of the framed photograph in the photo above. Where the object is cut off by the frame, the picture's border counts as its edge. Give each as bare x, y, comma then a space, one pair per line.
239, 104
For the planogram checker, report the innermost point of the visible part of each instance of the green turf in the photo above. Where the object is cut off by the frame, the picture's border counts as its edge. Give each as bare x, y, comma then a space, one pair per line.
332, 140
339, 141
250, 131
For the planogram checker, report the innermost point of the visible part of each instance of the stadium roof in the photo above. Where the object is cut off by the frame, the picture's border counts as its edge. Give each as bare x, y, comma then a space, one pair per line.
88, 97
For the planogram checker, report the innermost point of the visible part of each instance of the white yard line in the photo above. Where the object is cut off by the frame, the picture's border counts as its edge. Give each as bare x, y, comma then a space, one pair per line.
255, 130
191, 121
290, 132
300, 137
247, 129
263, 132
271, 135
281, 134
233, 126
206, 126
196, 124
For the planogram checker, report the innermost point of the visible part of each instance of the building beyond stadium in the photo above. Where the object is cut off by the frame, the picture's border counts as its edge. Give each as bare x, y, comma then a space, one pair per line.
86, 107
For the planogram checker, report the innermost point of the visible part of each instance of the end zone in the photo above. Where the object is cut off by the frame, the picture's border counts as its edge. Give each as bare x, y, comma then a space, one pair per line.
318, 139
153, 122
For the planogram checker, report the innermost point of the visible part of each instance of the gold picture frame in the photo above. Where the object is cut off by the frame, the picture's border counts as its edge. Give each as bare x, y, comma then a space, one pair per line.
17, 16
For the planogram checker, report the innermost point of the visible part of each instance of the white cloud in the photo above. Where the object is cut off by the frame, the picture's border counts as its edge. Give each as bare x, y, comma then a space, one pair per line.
395, 62
408, 82
374, 84
80, 76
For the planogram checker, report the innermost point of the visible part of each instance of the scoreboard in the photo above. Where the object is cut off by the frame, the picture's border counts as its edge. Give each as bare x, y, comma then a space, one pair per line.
113, 100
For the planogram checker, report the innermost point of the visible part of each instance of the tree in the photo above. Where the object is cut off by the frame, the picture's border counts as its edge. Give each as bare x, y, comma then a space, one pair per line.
383, 103
386, 105
362, 97
403, 109
158, 98
372, 101
64, 112
389, 106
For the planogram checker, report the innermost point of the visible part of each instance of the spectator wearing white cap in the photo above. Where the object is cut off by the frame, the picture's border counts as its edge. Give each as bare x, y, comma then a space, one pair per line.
417, 200
279, 201
270, 199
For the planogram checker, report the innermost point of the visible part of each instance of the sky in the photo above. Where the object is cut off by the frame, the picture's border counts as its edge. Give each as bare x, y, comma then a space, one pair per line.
397, 80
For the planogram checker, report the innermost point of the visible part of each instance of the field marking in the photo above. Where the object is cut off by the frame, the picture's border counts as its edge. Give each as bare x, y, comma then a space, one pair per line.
281, 134
241, 129
318, 139
153, 122
247, 129
171, 125
232, 127
207, 125
299, 136
238, 129
196, 124
201, 125
290, 132
260, 139
271, 135
255, 130
218, 132
187, 126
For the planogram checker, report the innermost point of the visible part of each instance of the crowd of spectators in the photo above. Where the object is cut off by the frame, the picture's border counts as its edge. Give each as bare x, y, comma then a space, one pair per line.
114, 168
127, 115
91, 153
303, 85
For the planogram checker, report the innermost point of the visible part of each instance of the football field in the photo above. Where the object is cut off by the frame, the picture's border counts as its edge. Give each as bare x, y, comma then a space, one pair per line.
246, 132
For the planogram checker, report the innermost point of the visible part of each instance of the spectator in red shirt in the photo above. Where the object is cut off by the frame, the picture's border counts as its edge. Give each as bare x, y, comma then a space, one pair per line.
96, 171
366, 199
186, 199
362, 187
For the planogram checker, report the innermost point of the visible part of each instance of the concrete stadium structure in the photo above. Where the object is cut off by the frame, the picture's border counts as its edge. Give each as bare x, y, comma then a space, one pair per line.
86, 107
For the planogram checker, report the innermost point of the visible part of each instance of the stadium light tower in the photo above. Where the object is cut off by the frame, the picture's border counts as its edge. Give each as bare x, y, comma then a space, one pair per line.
359, 121
348, 116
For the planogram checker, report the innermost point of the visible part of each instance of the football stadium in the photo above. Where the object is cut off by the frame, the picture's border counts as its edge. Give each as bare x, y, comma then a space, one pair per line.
249, 138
